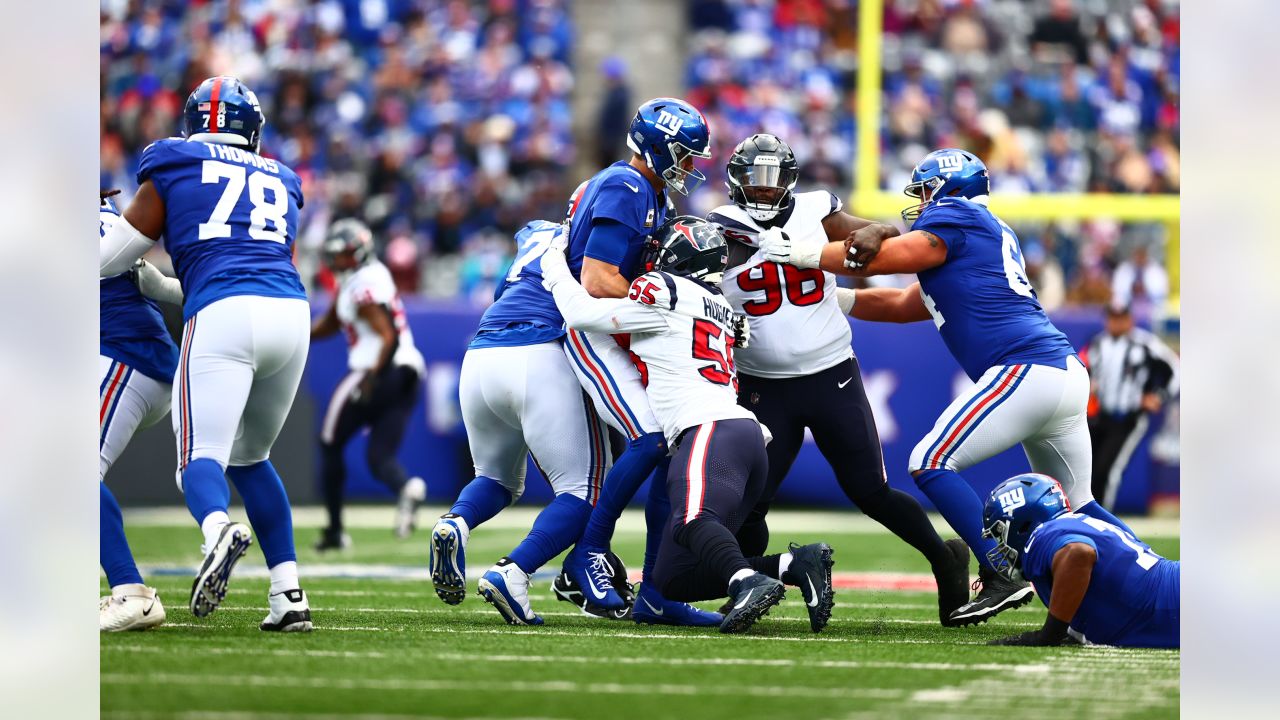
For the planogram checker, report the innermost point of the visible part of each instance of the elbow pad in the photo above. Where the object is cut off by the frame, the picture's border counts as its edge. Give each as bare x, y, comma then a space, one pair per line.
120, 247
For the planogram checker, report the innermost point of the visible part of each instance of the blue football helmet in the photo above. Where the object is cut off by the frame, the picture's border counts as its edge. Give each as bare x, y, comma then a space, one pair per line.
223, 110
945, 173
1015, 509
668, 133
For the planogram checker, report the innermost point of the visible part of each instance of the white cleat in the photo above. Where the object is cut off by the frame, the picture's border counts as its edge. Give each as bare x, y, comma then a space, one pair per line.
412, 495
506, 587
130, 607
289, 612
210, 586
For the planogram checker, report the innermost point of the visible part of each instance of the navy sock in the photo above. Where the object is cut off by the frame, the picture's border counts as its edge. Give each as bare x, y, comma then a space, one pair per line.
205, 487
1094, 509
267, 506
480, 500
657, 509
558, 526
959, 504
625, 477
113, 548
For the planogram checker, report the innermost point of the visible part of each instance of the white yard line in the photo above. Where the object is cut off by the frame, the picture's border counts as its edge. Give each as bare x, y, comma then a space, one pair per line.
406, 654
632, 521
508, 686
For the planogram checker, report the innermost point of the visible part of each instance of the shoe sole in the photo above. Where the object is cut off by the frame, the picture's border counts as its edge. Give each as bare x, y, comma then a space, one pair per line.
1013, 601
960, 560
498, 600
450, 585
293, 621
820, 614
210, 586
740, 620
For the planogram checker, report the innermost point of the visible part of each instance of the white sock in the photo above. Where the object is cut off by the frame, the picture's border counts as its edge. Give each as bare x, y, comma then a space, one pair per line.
211, 526
741, 574
284, 577
784, 562
129, 589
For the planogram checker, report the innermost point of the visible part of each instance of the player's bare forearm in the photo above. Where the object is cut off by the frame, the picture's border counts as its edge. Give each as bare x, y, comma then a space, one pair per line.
327, 324
589, 314
861, 238
146, 212
896, 305
913, 252
1072, 571
832, 258
602, 280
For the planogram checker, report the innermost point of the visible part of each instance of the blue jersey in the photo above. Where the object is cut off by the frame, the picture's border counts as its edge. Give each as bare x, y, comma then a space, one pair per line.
130, 327
231, 217
980, 299
1133, 595
609, 218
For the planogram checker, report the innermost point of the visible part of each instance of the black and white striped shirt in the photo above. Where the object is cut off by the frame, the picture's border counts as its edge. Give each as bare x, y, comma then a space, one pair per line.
1127, 367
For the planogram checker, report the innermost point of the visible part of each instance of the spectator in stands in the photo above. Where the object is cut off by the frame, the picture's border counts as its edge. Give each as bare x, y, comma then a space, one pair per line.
616, 111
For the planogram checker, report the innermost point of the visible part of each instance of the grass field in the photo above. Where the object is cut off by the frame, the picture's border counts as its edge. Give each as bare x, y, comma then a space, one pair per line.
385, 646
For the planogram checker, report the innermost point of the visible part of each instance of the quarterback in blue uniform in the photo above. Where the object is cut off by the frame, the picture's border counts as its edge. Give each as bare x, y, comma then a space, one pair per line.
137, 360
1101, 584
1029, 388
516, 401
229, 217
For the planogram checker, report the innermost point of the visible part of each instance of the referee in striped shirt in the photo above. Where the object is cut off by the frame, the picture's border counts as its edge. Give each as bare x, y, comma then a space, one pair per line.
1132, 373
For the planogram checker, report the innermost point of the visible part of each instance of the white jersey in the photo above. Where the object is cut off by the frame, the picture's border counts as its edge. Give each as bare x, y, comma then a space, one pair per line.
797, 328
681, 333
371, 284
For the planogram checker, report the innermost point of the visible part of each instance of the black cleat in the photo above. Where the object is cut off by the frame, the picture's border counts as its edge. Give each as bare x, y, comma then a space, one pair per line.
331, 539
953, 581
751, 597
996, 594
567, 590
810, 570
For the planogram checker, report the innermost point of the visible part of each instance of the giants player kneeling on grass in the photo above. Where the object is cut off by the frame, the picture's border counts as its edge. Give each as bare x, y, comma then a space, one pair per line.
682, 331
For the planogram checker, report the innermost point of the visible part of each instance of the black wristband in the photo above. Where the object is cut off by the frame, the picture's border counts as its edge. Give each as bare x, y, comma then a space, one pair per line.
1054, 631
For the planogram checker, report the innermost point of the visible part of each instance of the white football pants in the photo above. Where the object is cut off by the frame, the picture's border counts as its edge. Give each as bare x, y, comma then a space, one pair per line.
612, 381
1039, 406
525, 399
127, 402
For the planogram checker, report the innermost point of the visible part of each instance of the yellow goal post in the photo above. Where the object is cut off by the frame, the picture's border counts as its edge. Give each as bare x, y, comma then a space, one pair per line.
869, 200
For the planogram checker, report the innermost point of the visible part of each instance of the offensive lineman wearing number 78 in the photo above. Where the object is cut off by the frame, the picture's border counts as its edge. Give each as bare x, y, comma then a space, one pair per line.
229, 217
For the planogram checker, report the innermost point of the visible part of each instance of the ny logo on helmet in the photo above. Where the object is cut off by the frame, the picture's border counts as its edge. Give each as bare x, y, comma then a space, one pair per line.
950, 163
1012, 500
668, 123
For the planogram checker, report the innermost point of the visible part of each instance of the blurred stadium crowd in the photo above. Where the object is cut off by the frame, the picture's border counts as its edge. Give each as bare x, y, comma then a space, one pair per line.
446, 124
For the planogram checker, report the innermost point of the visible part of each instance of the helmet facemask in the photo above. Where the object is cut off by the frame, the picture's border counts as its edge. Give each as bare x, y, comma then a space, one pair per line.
677, 176
762, 189
926, 190
1003, 557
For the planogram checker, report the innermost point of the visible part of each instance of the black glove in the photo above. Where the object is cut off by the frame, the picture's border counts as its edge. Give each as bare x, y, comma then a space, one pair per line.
1030, 638
1053, 633
741, 331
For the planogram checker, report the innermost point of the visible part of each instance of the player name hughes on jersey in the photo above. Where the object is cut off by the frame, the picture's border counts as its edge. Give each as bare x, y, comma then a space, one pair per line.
980, 298
130, 326
797, 328
1133, 596
681, 332
607, 218
232, 219
372, 284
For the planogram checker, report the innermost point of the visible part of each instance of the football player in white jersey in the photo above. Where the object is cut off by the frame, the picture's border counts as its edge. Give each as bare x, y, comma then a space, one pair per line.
381, 389
799, 370
682, 332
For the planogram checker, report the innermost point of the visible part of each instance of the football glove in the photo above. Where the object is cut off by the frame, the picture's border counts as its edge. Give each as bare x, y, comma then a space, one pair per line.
155, 284
804, 253
741, 331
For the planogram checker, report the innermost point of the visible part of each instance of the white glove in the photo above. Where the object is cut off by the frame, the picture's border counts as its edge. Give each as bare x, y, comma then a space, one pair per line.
555, 269
155, 284
779, 247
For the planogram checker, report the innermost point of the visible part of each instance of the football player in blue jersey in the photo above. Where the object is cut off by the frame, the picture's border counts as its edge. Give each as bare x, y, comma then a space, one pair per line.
137, 359
229, 217
523, 378
1101, 584
1030, 387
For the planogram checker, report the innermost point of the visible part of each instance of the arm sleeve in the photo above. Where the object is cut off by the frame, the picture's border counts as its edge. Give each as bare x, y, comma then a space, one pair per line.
608, 241
120, 247
948, 223
607, 315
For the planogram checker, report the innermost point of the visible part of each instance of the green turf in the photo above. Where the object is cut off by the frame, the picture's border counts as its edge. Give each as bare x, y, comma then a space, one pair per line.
391, 648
